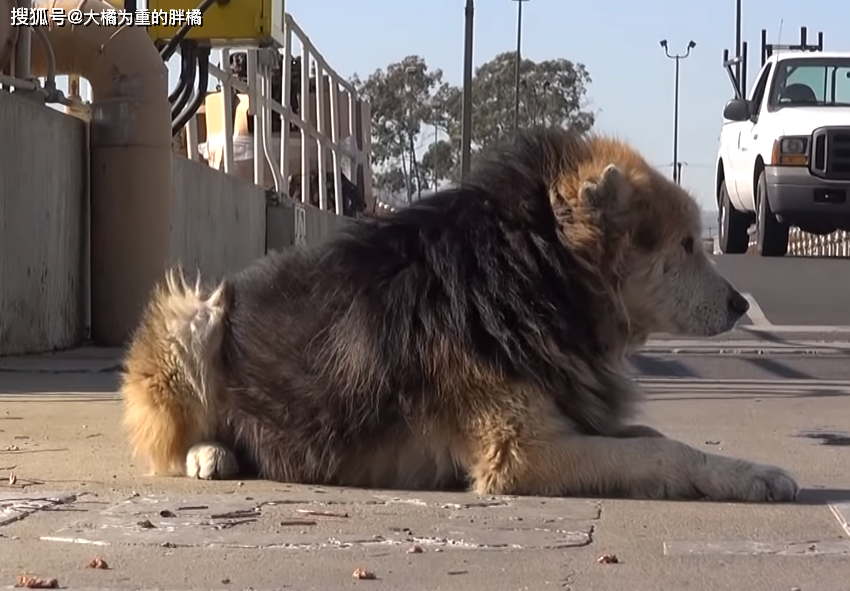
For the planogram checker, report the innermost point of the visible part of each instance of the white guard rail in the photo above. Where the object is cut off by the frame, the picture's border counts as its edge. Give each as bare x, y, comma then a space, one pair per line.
326, 136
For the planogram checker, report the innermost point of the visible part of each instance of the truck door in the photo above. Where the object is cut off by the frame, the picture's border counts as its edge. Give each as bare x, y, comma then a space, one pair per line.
747, 143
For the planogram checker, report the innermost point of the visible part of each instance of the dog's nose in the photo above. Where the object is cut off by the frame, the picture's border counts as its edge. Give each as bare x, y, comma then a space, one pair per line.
737, 303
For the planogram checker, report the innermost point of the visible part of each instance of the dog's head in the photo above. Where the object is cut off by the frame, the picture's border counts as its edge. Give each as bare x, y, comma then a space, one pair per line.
643, 233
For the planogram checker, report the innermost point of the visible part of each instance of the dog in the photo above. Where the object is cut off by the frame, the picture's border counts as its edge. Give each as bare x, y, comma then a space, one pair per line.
476, 339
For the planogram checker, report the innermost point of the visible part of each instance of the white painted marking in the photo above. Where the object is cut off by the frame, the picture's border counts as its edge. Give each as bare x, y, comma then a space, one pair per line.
795, 328
755, 313
842, 514
749, 548
664, 386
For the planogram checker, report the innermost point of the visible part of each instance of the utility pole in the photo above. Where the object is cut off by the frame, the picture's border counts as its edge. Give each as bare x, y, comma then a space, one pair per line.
677, 58
466, 116
518, 60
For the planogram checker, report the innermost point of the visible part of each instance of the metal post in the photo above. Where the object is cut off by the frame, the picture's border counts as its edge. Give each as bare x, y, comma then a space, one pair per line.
676, 126
518, 62
677, 58
466, 117
23, 47
738, 39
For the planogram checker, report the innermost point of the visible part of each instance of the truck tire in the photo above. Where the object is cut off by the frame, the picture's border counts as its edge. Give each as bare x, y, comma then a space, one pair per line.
732, 224
772, 237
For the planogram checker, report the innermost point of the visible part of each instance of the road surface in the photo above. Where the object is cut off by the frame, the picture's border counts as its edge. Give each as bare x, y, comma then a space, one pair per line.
768, 392
793, 291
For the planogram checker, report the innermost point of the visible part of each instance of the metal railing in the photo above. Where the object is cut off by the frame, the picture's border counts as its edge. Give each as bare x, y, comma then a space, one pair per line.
327, 136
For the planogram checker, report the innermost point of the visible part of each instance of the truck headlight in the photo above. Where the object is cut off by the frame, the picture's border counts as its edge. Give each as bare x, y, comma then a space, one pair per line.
791, 151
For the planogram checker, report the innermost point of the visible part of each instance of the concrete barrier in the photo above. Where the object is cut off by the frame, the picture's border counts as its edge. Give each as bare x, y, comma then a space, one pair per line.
43, 218
219, 220
220, 223
290, 223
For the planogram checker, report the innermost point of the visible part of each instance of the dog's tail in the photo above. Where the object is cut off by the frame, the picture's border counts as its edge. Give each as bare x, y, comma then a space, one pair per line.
171, 372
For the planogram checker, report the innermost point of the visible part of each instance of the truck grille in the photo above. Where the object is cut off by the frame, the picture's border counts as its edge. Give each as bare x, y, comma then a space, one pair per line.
831, 153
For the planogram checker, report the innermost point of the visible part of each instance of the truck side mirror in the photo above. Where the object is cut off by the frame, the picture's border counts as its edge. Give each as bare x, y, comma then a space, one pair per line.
737, 109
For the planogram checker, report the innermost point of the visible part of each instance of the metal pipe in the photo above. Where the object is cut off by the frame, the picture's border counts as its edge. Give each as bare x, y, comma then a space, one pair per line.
518, 61
50, 83
186, 93
23, 47
200, 94
131, 194
185, 64
26, 85
466, 117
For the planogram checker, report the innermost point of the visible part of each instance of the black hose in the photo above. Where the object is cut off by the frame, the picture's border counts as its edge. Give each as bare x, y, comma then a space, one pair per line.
171, 47
186, 93
187, 52
200, 93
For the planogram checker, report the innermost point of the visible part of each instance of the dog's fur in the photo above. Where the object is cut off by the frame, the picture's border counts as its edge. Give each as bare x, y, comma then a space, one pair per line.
474, 338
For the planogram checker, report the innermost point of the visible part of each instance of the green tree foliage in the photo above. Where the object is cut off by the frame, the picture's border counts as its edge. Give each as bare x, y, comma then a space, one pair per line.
401, 98
409, 101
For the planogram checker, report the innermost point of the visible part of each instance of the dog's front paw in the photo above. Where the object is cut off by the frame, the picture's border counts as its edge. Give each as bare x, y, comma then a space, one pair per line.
725, 479
211, 461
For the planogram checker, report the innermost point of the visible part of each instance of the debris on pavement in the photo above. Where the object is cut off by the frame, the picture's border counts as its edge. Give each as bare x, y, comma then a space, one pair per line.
608, 559
97, 562
415, 549
286, 522
146, 524
322, 513
361, 573
13, 478
31, 582
166, 513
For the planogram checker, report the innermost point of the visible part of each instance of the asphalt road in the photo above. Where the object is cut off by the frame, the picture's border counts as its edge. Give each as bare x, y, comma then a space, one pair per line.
793, 291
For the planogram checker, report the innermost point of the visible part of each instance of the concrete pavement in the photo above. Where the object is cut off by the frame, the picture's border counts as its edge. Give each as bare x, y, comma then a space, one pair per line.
59, 435
793, 291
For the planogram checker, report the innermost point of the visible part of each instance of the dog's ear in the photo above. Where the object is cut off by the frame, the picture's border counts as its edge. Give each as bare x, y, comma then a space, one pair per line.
609, 198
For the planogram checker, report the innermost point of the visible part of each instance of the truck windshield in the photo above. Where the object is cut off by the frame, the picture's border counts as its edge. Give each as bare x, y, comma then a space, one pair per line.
807, 82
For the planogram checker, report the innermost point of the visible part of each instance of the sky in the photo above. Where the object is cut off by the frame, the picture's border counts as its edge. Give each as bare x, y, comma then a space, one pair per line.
617, 40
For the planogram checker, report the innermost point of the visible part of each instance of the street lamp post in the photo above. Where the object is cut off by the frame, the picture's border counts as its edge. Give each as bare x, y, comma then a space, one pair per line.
466, 115
518, 60
676, 58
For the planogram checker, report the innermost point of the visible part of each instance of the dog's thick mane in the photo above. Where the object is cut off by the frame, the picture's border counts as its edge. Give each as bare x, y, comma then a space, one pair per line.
480, 270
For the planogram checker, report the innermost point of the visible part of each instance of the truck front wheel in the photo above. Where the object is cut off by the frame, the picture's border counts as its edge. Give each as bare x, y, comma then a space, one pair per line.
772, 239
733, 225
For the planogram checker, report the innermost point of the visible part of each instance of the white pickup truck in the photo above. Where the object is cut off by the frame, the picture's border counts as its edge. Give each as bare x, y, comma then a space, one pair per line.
784, 157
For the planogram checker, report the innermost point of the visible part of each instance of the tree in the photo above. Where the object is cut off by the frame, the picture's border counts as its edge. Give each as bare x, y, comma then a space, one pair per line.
439, 161
402, 101
551, 93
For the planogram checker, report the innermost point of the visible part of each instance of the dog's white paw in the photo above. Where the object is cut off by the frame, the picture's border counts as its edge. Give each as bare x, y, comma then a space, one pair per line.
727, 479
211, 461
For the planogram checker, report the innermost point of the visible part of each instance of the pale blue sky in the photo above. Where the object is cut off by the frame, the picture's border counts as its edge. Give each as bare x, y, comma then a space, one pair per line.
617, 40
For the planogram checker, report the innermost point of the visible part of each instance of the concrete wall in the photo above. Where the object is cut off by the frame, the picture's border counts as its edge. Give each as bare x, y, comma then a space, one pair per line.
43, 212
220, 224
290, 223
219, 221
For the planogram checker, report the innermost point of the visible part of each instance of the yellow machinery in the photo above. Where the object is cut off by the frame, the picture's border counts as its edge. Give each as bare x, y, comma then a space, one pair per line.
231, 23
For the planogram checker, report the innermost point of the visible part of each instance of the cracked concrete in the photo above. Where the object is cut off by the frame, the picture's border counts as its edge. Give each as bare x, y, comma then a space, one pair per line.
452, 522
59, 436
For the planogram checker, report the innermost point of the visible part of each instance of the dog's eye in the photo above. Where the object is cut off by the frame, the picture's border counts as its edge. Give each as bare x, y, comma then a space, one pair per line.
688, 245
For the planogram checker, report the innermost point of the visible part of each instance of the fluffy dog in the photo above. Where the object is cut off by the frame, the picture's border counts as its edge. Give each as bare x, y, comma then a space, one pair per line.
476, 338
